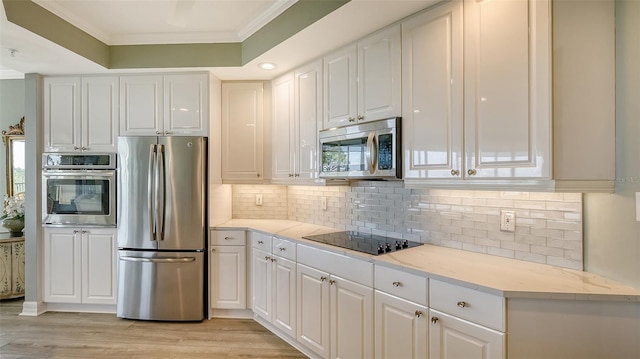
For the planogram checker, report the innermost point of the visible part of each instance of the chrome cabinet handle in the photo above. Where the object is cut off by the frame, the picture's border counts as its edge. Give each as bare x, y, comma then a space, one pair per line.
272, 259
323, 278
434, 320
455, 172
76, 148
297, 175
396, 284
351, 119
267, 258
418, 313
260, 242
282, 249
360, 117
228, 238
471, 172
158, 133
290, 175
75, 231
462, 304
84, 232
167, 132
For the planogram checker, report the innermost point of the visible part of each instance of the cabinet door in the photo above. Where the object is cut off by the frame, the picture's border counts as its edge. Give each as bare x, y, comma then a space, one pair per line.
141, 105
228, 273
186, 105
507, 88
5, 270
340, 87
432, 93
282, 128
308, 118
379, 75
401, 328
284, 295
62, 115
261, 283
242, 143
99, 113
99, 266
450, 337
313, 309
17, 268
62, 265
351, 319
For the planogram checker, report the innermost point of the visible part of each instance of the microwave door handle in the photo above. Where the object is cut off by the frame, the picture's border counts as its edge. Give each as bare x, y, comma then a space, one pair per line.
161, 190
151, 191
371, 154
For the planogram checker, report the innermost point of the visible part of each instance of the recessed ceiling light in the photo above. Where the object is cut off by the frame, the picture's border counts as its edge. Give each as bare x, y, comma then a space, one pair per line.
267, 65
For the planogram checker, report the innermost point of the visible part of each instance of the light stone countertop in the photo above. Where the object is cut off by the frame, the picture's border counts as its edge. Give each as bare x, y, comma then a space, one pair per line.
491, 274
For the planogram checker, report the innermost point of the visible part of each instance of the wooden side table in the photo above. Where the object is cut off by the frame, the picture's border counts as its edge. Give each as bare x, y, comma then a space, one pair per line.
11, 266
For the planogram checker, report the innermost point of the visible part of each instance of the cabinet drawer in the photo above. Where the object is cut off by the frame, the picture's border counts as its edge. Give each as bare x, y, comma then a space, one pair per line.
472, 305
283, 248
228, 238
261, 241
343, 266
401, 284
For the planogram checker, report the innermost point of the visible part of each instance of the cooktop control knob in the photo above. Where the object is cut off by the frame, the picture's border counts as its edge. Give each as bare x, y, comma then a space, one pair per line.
380, 249
405, 244
387, 247
398, 246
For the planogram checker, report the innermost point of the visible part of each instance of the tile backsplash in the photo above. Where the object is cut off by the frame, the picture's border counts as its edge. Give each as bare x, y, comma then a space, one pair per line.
548, 225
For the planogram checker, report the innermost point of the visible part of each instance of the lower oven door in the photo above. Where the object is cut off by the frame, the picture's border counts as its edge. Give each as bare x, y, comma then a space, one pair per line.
79, 198
161, 285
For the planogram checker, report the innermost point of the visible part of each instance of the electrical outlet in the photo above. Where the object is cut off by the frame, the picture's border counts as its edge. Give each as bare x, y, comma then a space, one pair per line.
258, 200
324, 203
507, 221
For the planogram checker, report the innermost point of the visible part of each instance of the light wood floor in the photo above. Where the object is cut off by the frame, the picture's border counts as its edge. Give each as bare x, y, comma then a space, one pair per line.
84, 335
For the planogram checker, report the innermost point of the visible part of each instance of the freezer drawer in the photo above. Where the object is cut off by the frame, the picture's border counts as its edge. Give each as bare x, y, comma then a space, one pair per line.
161, 285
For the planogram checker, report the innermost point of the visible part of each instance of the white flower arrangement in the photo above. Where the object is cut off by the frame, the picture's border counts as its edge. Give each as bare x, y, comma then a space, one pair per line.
13, 208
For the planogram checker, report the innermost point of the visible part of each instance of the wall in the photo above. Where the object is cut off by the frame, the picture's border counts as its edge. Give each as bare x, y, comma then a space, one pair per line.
12, 104
612, 234
548, 225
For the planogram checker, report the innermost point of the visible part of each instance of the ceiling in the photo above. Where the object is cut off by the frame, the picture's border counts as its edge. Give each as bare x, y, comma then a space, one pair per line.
127, 22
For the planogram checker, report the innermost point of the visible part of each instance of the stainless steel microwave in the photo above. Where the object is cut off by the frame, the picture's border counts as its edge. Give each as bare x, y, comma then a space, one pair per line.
369, 150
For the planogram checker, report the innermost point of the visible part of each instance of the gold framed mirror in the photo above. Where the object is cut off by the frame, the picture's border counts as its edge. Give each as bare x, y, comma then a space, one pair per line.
14, 143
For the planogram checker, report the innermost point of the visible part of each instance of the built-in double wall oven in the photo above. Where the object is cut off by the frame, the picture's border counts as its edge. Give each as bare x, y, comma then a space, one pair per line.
79, 189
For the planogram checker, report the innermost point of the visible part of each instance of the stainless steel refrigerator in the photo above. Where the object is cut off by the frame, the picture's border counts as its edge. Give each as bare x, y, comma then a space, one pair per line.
162, 224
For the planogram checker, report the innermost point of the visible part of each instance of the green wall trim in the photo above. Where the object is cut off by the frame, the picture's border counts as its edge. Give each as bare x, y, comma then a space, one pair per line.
175, 55
293, 20
38, 20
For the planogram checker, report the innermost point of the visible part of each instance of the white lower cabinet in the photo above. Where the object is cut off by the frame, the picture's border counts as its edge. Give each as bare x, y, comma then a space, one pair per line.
335, 304
465, 323
451, 337
80, 265
401, 328
274, 282
228, 286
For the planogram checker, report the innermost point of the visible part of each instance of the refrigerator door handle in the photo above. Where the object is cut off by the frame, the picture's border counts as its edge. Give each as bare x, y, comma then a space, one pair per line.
161, 190
158, 259
151, 191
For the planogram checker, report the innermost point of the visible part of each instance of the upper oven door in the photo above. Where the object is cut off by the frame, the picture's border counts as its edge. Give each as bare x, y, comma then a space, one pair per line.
79, 198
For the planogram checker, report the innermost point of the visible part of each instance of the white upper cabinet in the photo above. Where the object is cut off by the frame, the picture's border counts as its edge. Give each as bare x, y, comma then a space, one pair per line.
362, 81
81, 114
242, 131
157, 105
297, 113
282, 127
186, 110
507, 89
433, 93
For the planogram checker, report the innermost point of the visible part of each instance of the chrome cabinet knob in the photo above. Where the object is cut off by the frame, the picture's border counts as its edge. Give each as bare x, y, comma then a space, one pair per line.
167, 132
360, 117
332, 282
418, 313
282, 249
228, 238
260, 242
267, 258
323, 278
158, 133
290, 175
396, 284
434, 320
455, 172
462, 304
351, 119
471, 172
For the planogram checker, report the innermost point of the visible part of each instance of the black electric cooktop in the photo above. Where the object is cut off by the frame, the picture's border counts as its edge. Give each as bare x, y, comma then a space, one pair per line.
363, 242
